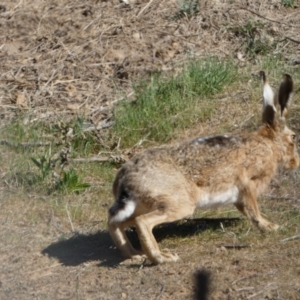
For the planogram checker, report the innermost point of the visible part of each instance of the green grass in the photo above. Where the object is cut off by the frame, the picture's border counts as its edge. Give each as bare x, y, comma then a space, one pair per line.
165, 105
187, 8
71, 182
288, 3
17, 131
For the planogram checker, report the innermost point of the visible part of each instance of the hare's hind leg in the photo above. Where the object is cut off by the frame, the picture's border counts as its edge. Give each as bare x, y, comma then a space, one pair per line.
249, 207
117, 232
144, 225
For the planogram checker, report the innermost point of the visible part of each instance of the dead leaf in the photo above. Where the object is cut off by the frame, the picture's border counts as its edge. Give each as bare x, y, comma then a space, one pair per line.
175, 45
12, 48
171, 53
73, 106
21, 100
115, 55
136, 36
71, 89
240, 56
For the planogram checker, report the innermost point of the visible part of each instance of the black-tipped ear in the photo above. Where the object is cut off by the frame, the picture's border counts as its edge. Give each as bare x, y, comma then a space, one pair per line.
269, 115
285, 93
263, 77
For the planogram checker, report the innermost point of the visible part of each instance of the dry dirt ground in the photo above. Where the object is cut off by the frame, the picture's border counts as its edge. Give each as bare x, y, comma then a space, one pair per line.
63, 58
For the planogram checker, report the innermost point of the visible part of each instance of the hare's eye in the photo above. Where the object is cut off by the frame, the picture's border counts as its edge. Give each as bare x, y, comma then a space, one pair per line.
293, 136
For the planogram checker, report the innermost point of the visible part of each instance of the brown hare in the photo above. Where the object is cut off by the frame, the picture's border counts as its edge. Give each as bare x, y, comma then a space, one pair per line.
168, 183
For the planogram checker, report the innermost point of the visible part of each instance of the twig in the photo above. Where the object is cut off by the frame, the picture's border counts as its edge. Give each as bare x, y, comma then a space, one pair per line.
247, 120
245, 277
94, 128
101, 110
144, 8
8, 106
245, 289
233, 246
261, 291
259, 15
69, 217
89, 24
141, 141
26, 144
123, 98
295, 237
161, 292
253, 275
98, 159
281, 198
180, 37
291, 39
142, 264
51, 77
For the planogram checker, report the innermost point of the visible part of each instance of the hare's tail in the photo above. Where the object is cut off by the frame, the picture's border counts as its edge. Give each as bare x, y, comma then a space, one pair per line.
123, 207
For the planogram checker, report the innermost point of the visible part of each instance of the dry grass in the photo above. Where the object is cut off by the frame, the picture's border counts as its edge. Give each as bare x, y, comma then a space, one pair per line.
64, 59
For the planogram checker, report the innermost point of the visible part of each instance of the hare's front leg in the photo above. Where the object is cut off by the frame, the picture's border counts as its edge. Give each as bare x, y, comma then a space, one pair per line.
248, 206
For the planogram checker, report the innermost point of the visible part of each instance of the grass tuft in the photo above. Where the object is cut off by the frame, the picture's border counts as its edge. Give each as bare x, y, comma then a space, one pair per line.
165, 105
187, 8
70, 182
288, 3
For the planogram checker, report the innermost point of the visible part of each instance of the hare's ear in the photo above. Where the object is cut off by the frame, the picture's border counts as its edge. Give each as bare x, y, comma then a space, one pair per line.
269, 110
285, 94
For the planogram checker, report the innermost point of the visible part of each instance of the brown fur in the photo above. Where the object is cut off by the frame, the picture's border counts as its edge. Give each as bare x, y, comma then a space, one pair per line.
167, 183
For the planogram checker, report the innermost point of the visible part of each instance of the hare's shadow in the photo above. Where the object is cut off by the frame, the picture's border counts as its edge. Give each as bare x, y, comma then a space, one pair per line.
81, 248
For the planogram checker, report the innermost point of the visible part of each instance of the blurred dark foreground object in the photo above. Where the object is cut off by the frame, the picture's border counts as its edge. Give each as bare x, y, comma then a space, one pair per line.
201, 284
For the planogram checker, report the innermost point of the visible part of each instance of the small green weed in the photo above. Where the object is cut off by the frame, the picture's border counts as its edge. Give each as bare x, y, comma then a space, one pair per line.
250, 29
256, 44
43, 164
67, 181
83, 142
288, 3
70, 182
72, 134
187, 8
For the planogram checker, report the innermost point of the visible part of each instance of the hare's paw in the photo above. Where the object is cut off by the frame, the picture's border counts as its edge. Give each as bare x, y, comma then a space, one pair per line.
265, 225
137, 254
164, 257
134, 260
138, 257
169, 257
274, 226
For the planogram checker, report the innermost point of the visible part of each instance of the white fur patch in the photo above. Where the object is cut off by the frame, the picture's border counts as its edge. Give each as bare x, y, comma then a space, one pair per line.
200, 140
124, 213
268, 95
229, 196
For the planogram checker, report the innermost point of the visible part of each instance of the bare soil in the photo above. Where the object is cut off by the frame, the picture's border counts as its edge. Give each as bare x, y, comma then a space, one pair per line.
65, 58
